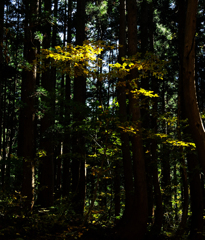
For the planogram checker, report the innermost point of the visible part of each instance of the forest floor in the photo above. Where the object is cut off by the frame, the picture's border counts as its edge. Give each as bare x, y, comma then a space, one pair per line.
43, 226
56, 223
47, 224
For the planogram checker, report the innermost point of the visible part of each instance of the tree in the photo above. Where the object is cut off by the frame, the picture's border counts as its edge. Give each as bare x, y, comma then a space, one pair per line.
189, 104
28, 111
1, 73
140, 194
46, 197
78, 161
135, 225
67, 141
189, 88
127, 162
104, 146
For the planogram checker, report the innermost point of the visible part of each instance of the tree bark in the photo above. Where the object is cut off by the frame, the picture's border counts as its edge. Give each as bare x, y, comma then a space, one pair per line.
127, 163
28, 111
196, 232
78, 161
67, 137
46, 197
1, 70
1, 30
189, 88
189, 100
158, 214
135, 227
185, 196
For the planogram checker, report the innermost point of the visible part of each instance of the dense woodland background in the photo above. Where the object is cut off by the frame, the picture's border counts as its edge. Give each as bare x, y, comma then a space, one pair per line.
103, 140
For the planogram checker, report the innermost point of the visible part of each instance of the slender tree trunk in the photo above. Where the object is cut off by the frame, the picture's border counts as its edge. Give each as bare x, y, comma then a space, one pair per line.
12, 131
1, 33
28, 111
145, 22
158, 214
135, 227
165, 164
117, 190
46, 197
4, 138
67, 140
196, 232
1, 59
182, 14
78, 162
58, 152
127, 163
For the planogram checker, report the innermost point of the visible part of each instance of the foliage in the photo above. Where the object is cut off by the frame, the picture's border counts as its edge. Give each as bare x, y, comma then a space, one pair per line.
156, 87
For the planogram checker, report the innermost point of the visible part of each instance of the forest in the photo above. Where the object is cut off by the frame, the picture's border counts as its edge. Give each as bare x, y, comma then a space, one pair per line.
102, 108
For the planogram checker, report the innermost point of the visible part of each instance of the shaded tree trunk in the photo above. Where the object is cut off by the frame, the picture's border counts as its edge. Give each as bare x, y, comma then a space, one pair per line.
28, 111
196, 232
1, 71
1, 31
67, 140
135, 227
78, 161
190, 110
146, 21
189, 89
117, 190
185, 196
46, 197
127, 163
165, 162
158, 214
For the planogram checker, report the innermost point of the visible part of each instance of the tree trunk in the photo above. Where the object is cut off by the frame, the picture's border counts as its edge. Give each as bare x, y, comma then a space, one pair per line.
196, 232
135, 227
127, 163
1, 31
165, 164
78, 161
46, 197
187, 74
67, 137
181, 115
158, 214
190, 99
28, 111
146, 21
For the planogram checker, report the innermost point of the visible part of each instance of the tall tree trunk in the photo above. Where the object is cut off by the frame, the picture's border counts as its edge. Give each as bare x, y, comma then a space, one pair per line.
158, 214
67, 137
78, 161
58, 152
127, 163
46, 197
190, 99
1, 31
135, 227
1, 69
145, 22
182, 14
28, 111
190, 110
